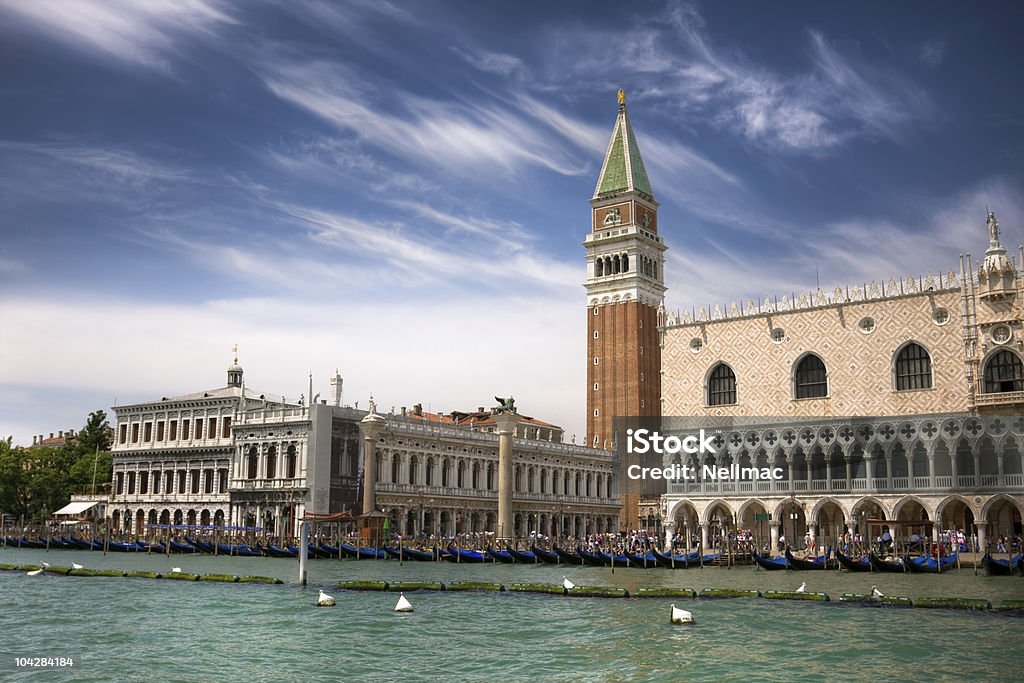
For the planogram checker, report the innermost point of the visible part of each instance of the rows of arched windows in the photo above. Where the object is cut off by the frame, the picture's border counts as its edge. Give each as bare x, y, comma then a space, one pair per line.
612, 265
912, 371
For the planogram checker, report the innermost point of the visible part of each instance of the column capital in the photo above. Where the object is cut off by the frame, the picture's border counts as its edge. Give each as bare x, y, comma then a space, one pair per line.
371, 426
505, 422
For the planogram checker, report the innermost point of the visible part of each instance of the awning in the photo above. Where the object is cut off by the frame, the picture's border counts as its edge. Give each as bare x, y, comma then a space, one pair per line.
75, 508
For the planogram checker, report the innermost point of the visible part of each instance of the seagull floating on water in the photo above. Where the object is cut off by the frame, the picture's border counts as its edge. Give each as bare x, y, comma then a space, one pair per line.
802, 588
403, 604
875, 593
567, 584
75, 565
36, 572
324, 600
680, 616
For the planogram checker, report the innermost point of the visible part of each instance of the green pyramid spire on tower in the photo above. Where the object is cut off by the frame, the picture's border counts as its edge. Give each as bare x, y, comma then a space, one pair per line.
623, 169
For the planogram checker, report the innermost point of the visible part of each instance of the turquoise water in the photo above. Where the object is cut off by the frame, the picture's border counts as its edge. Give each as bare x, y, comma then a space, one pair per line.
137, 629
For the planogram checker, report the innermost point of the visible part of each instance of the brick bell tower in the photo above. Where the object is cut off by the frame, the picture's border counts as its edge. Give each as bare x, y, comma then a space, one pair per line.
625, 291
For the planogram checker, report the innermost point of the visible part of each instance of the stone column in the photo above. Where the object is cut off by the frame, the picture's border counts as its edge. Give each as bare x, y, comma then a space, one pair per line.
370, 427
703, 538
505, 423
670, 531
773, 527
982, 537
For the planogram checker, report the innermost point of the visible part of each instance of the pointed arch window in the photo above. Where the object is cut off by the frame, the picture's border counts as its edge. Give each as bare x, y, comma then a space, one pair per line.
811, 378
722, 386
913, 368
1004, 372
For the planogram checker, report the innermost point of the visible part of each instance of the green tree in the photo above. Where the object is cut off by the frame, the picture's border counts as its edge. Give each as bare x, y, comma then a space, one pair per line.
95, 435
13, 494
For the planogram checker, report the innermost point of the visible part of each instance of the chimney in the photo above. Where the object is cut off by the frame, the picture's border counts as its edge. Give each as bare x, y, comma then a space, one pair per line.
479, 409
60, 434
33, 439
403, 411
417, 409
51, 435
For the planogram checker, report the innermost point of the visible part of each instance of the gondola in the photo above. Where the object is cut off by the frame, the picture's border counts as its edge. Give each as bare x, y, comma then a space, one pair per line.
274, 551
330, 551
805, 565
201, 546
1001, 567
893, 566
369, 553
674, 561
410, 554
565, 556
502, 556
471, 556
120, 547
771, 563
546, 556
594, 559
928, 565
524, 556
313, 552
645, 561
613, 560
177, 547
241, 550
861, 564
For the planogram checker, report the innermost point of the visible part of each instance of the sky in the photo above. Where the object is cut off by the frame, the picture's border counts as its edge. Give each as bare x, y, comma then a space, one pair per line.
399, 190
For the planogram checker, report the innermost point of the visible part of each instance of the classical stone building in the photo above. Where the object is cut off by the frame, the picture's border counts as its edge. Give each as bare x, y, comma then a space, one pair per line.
231, 456
437, 475
926, 357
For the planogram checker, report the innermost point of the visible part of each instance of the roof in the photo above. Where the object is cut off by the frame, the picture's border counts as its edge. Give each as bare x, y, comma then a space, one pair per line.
478, 419
623, 168
219, 392
75, 508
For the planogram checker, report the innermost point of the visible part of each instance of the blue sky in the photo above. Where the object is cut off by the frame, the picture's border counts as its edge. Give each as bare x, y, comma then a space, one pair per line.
398, 190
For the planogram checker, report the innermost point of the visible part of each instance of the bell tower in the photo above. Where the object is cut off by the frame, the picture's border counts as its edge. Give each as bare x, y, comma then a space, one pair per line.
625, 291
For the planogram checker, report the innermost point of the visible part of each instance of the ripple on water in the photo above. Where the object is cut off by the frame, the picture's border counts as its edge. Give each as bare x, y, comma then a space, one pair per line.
137, 629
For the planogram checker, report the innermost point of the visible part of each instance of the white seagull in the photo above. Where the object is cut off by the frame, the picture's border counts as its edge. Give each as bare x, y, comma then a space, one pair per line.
680, 616
75, 565
875, 593
324, 600
175, 570
567, 584
45, 564
403, 604
802, 588
36, 572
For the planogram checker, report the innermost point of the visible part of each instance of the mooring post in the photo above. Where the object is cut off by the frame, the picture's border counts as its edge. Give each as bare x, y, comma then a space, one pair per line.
303, 551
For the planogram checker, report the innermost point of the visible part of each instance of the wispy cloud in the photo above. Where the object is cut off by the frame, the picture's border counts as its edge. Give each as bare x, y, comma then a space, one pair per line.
141, 33
676, 63
491, 62
460, 138
933, 52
